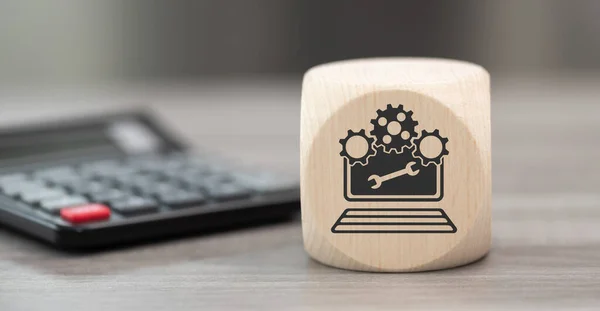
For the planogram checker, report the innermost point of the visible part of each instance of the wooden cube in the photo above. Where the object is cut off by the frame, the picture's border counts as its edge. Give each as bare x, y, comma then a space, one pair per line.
396, 164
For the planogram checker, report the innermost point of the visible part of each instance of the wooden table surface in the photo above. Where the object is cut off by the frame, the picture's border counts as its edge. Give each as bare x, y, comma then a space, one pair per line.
546, 219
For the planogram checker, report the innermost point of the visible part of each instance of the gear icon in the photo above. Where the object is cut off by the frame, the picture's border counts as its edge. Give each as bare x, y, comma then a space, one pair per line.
394, 128
357, 147
409, 150
430, 147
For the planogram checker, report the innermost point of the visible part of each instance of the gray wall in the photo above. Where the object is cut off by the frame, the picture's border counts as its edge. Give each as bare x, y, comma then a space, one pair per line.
84, 40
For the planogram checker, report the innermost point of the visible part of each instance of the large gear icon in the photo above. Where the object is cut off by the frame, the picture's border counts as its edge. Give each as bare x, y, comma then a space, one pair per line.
359, 154
394, 128
438, 151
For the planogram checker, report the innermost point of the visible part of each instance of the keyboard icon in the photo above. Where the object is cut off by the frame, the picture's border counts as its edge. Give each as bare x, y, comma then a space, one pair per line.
393, 220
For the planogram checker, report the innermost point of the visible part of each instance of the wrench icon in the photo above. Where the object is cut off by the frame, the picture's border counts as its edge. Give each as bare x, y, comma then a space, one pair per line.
381, 179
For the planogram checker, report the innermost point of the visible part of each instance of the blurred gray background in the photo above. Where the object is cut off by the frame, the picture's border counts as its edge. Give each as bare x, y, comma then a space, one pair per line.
68, 41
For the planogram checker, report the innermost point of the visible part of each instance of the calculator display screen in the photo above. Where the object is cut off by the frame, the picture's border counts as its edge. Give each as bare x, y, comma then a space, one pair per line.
125, 136
33, 144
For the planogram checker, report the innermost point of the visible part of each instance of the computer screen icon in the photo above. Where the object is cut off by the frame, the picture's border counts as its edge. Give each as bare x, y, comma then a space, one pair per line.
425, 185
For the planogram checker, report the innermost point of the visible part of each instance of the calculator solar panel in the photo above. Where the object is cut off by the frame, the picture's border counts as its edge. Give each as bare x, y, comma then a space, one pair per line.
122, 178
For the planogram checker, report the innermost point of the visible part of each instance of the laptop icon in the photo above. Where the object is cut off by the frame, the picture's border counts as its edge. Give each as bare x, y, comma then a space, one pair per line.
393, 163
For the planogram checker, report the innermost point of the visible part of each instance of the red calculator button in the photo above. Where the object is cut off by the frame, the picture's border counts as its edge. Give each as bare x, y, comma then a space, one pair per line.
85, 213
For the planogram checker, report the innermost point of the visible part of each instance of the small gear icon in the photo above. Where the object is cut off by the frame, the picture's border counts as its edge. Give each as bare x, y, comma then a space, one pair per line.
394, 128
357, 147
430, 147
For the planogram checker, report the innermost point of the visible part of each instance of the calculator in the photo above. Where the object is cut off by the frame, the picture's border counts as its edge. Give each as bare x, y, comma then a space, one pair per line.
121, 178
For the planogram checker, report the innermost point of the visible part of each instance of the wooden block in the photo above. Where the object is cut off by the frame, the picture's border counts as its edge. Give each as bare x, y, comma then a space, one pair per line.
396, 164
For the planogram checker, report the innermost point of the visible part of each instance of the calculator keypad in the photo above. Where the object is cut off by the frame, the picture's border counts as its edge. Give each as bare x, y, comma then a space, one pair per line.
136, 186
53, 206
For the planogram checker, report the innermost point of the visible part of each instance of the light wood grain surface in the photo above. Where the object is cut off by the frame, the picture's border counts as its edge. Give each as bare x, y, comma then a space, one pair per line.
546, 212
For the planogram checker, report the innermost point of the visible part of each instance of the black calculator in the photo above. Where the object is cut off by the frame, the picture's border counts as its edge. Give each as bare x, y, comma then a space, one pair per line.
121, 178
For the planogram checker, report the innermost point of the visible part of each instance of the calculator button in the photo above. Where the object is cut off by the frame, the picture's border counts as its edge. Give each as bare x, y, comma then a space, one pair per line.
190, 179
134, 205
85, 213
195, 181
88, 186
141, 181
33, 196
180, 199
228, 191
264, 182
56, 174
62, 179
161, 188
108, 195
17, 187
100, 168
174, 171
199, 169
68, 180
12, 178
138, 179
146, 163
53, 206
116, 172
174, 164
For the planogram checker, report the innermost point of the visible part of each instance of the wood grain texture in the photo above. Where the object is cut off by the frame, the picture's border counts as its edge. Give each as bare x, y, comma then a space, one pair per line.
546, 210
340, 101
